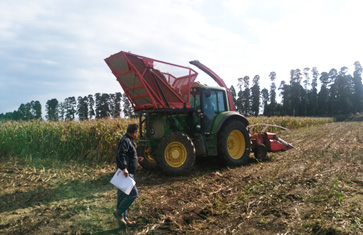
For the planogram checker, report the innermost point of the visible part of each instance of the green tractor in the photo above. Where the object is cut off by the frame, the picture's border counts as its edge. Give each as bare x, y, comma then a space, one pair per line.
179, 118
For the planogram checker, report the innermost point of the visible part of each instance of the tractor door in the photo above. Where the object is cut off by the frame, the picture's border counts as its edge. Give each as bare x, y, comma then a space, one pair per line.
196, 104
213, 102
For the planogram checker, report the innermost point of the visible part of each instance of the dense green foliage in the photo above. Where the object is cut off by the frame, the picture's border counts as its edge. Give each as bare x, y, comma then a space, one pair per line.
340, 94
26, 112
86, 108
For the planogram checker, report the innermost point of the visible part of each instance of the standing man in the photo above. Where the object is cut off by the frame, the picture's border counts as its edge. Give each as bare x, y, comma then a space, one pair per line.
127, 161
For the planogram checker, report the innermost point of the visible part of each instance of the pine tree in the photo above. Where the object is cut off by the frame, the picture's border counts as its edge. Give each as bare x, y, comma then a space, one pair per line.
344, 88
116, 111
38, 109
82, 108
256, 96
273, 102
105, 105
102, 105
265, 99
305, 102
115, 105
297, 92
286, 98
306, 78
357, 98
323, 96
127, 109
23, 112
51, 108
333, 92
313, 94
32, 110
233, 94
112, 104
91, 104
239, 96
61, 111
246, 103
98, 105
70, 108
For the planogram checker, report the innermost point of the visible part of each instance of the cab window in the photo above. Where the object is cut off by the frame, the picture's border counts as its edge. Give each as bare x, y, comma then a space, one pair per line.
221, 103
195, 100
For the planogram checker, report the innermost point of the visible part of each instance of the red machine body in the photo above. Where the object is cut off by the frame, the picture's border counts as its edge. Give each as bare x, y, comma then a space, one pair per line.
263, 142
271, 141
150, 83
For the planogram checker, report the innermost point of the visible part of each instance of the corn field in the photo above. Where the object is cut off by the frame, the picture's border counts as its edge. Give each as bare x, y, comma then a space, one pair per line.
288, 122
94, 140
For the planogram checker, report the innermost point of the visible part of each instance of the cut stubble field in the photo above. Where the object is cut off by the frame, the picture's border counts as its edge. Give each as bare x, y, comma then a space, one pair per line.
315, 188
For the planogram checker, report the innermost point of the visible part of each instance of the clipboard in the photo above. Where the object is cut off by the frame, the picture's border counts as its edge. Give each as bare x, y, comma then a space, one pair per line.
125, 184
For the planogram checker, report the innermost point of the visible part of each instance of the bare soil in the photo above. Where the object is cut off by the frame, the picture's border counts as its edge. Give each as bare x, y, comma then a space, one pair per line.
316, 188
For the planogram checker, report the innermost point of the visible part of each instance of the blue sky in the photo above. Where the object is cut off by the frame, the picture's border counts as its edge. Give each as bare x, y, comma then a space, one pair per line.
55, 49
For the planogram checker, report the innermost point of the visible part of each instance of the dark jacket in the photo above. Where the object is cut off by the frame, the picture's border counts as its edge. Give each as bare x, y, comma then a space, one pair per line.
126, 154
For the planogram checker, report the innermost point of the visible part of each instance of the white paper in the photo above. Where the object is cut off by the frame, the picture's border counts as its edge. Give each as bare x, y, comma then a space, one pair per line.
125, 184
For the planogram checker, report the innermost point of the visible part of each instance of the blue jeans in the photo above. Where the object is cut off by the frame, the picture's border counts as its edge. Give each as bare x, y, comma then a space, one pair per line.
124, 201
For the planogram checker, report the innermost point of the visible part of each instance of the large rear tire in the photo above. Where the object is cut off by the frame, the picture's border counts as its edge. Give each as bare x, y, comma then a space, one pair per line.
234, 143
176, 154
149, 162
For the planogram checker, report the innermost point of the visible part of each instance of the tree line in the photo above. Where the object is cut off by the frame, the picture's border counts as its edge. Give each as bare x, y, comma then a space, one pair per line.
340, 94
85, 108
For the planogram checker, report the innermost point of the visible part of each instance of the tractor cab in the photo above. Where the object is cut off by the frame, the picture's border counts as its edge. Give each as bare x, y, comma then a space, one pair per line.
208, 103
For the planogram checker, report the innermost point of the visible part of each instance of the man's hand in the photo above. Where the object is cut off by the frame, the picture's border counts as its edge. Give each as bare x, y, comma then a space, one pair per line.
126, 172
140, 159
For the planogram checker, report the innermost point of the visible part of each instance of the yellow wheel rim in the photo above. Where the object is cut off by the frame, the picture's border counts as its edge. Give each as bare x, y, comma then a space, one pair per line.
175, 154
148, 156
236, 144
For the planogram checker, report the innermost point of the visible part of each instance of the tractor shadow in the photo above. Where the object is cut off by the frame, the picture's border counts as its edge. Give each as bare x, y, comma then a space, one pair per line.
207, 165
203, 166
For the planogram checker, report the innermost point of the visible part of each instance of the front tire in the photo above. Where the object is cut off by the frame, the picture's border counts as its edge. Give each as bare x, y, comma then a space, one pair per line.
176, 154
234, 143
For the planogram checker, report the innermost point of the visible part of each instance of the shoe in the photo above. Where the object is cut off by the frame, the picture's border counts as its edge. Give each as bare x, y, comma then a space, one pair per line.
121, 221
131, 223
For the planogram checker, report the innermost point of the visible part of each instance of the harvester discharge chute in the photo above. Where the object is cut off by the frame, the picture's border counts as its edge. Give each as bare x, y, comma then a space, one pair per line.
152, 84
